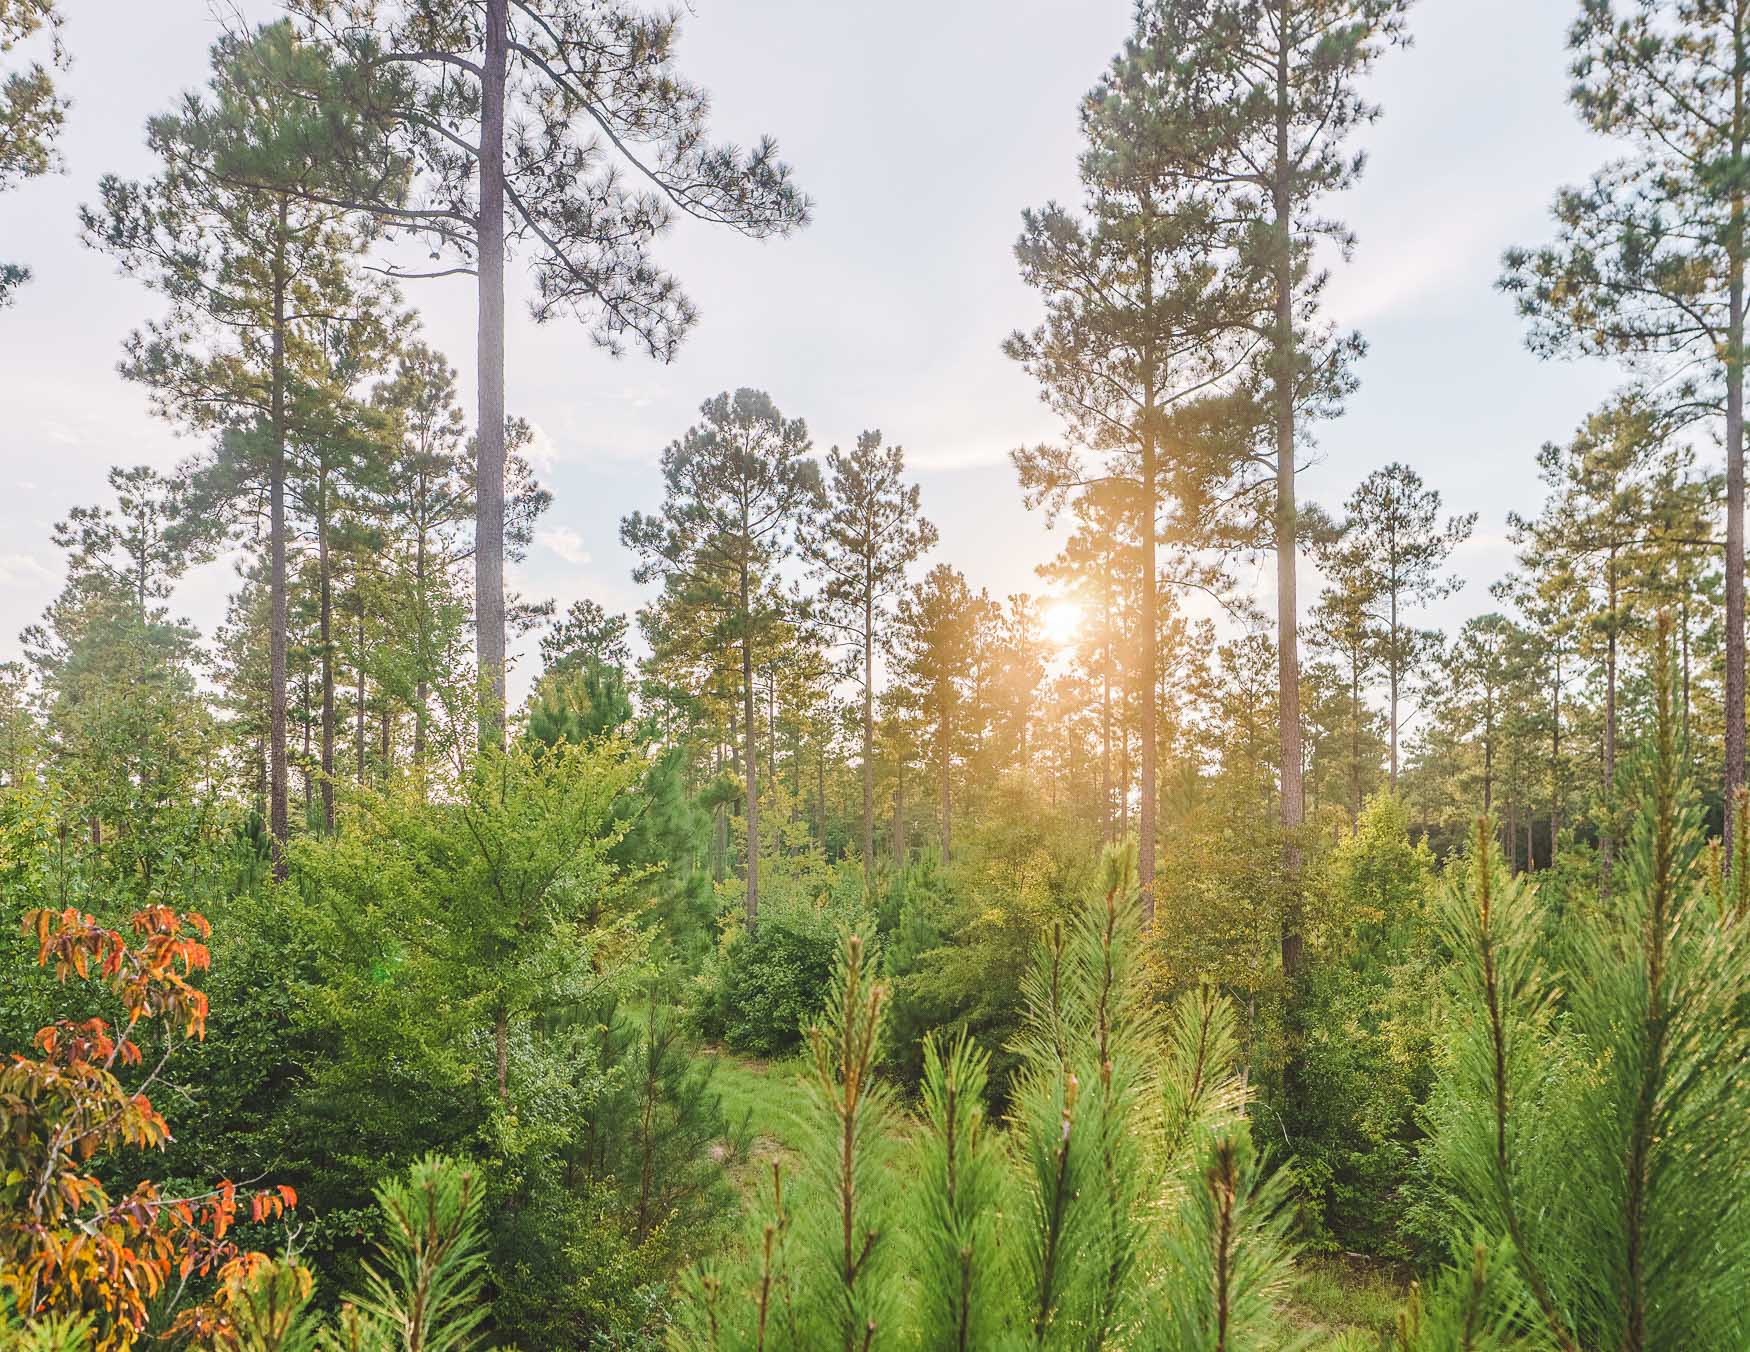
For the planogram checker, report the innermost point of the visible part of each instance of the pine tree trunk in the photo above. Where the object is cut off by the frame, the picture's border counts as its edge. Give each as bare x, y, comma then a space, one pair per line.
1293, 806
1735, 447
752, 757
868, 730
720, 828
1395, 679
325, 635
309, 722
1146, 827
1354, 744
1607, 837
900, 849
489, 442
421, 682
945, 757
279, 785
1106, 729
820, 792
1555, 761
359, 696
1293, 803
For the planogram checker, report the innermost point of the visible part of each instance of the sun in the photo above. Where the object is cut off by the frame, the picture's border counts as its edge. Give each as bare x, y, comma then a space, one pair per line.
1061, 622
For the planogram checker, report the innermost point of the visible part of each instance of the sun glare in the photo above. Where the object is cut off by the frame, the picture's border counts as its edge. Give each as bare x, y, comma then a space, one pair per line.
1061, 621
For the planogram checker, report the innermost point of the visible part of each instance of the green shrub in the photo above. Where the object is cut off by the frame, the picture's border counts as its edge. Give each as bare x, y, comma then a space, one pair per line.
758, 990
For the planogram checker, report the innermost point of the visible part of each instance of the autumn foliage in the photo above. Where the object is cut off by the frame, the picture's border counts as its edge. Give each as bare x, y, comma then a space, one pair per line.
67, 1246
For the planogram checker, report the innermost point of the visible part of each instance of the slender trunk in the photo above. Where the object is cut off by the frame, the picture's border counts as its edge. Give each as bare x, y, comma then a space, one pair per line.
1555, 760
1287, 608
1489, 762
1683, 633
1124, 776
359, 696
1354, 743
1106, 730
489, 442
720, 828
899, 842
1735, 452
1394, 690
868, 731
421, 680
385, 747
325, 636
751, 758
945, 757
278, 814
309, 723
1607, 837
1145, 827
820, 792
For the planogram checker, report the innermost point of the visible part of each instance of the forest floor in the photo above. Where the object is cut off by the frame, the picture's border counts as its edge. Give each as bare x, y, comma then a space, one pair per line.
1341, 1304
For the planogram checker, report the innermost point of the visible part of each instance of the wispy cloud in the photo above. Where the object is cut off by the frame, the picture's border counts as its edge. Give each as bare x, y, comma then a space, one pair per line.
541, 452
22, 568
564, 542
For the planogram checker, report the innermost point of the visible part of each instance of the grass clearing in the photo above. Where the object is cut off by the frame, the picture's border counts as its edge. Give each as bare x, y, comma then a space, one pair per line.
1346, 1304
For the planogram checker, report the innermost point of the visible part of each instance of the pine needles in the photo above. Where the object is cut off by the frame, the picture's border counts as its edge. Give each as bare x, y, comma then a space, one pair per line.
1121, 1204
1595, 1118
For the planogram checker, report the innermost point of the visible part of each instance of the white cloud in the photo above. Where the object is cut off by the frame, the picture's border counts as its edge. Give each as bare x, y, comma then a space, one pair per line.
541, 452
564, 542
22, 568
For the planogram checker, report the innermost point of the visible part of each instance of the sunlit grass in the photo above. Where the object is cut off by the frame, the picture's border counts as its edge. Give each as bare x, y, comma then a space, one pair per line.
1346, 1306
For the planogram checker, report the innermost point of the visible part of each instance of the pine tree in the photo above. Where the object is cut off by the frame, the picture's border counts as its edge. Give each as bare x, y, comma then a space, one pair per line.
938, 624
1141, 308
586, 633
1393, 527
1270, 99
870, 534
428, 506
559, 125
1343, 625
1591, 1115
736, 486
252, 275
31, 111
1649, 259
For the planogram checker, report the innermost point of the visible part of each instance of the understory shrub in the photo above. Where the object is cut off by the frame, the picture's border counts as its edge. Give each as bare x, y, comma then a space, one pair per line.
757, 990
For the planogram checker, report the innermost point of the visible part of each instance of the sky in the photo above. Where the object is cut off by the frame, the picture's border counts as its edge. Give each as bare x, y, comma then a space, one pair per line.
921, 129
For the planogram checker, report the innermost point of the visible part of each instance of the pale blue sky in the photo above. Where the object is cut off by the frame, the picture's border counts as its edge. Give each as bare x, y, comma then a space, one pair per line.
921, 128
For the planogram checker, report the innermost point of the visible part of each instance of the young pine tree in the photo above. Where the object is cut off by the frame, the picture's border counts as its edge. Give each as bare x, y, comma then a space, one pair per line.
1593, 1116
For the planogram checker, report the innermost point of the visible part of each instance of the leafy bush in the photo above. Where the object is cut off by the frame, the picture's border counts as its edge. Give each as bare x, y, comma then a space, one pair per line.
757, 990
1370, 1014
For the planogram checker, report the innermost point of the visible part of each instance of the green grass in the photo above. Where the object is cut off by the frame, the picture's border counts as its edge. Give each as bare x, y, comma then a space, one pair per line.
1346, 1305
760, 1098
